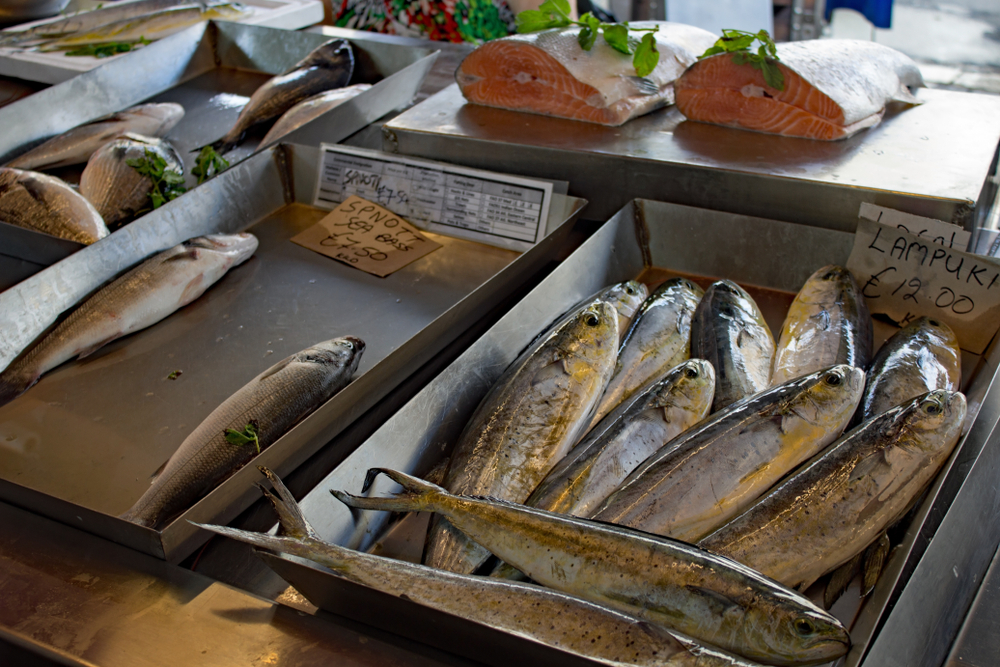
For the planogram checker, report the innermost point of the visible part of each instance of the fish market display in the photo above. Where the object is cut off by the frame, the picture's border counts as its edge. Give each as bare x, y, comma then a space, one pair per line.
116, 189
842, 501
550, 73
84, 21
534, 413
265, 409
920, 357
716, 470
47, 204
140, 298
828, 323
325, 67
833, 88
657, 340
707, 597
77, 145
567, 622
730, 332
312, 108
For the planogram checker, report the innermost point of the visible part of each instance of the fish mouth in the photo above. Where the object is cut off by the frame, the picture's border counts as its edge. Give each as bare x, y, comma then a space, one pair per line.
240, 246
359, 345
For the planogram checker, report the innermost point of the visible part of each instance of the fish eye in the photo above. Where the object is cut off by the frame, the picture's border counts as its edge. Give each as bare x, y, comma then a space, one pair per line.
804, 627
691, 372
932, 408
833, 379
592, 320
933, 323
630, 290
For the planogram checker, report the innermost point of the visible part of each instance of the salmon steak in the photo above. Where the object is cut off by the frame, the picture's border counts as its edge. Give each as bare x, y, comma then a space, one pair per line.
833, 89
549, 73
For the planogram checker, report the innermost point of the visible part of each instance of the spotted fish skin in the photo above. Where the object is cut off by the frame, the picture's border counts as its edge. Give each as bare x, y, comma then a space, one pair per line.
46, 204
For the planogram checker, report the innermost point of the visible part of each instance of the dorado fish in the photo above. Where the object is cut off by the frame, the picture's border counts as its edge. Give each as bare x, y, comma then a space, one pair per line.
84, 21
531, 417
707, 597
657, 340
46, 204
77, 145
836, 506
833, 88
310, 109
118, 190
550, 73
139, 299
626, 297
828, 323
271, 403
713, 472
730, 332
326, 67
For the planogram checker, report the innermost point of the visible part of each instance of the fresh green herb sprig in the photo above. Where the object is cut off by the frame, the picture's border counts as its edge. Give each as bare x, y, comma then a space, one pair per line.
167, 183
738, 42
107, 49
555, 14
244, 437
174, 375
208, 164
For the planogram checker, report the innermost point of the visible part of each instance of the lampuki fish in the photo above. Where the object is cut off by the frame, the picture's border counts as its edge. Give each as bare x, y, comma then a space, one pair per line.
311, 108
273, 402
142, 297
709, 598
84, 21
46, 204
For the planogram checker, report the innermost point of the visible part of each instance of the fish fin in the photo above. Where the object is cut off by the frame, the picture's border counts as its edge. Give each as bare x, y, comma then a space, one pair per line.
158, 471
553, 371
840, 580
905, 96
505, 570
14, 382
645, 85
87, 351
188, 254
868, 465
260, 540
719, 602
275, 368
418, 495
756, 472
874, 560
437, 474
290, 515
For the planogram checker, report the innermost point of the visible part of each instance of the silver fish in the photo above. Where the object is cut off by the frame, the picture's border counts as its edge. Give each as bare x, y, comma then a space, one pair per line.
85, 20
310, 109
142, 297
77, 145
46, 204
272, 402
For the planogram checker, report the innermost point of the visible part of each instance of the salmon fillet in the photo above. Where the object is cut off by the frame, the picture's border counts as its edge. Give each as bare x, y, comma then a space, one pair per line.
833, 89
549, 73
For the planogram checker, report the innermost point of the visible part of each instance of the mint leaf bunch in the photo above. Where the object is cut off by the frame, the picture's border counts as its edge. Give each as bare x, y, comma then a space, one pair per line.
167, 183
738, 42
555, 14
208, 164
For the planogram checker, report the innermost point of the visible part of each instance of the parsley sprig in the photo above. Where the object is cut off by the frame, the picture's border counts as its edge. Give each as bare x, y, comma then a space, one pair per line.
244, 437
167, 183
555, 14
107, 49
208, 164
738, 42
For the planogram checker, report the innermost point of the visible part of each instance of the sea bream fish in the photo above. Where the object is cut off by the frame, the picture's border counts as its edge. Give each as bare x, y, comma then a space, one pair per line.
310, 109
47, 204
142, 297
833, 88
549, 73
272, 403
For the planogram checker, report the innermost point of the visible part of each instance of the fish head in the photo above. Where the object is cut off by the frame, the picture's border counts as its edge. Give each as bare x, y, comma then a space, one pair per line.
589, 340
828, 397
168, 114
935, 331
794, 632
934, 420
343, 352
236, 247
626, 297
229, 11
688, 388
680, 288
333, 54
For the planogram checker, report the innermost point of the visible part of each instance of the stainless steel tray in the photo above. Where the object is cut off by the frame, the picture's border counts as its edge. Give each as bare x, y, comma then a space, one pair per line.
649, 240
933, 160
81, 445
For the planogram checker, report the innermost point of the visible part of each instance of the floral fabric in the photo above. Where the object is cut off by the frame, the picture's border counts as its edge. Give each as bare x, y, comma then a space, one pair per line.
474, 21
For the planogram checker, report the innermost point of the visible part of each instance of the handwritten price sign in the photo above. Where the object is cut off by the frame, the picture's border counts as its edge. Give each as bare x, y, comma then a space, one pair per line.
367, 237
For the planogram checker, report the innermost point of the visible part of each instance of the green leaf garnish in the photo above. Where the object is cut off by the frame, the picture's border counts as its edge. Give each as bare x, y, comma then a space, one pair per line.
244, 437
208, 164
646, 55
107, 49
174, 375
738, 42
167, 183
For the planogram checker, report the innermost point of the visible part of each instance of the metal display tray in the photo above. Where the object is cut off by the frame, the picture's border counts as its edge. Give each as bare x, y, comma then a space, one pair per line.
647, 240
933, 160
81, 445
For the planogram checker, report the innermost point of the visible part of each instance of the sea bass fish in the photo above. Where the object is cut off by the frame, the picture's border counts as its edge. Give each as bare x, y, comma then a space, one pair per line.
77, 145
272, 402
84, 21
713, 472
46, 204
710, 598
845, 498
833, 88
828, 323
549, 73
312, 108
139, 299
326, 67
531, 417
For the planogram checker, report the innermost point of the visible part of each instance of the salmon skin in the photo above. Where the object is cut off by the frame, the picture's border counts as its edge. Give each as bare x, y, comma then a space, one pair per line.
549, 73
833, 89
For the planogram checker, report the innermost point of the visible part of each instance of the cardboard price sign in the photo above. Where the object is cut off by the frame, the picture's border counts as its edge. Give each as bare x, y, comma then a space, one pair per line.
367, 237
904, 276
938, 231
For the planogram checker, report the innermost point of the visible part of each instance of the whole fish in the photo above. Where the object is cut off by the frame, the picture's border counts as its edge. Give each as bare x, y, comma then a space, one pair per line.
549, 73
832, 89
47, 204
920, 357
116, 189
311, 108
272, 402
542, 615
326, 67
713, 472
828, 323
531, 417
77, 145
833, 508
707, 597
657, 340
84, 21
142, 297
730, 332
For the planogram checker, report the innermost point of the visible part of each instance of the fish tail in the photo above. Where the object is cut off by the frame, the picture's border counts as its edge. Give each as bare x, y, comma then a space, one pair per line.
417, 495
505, 570
290, 515
260, 540
14, 382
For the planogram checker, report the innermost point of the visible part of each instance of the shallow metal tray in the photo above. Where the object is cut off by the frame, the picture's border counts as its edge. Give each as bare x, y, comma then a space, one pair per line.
933, 160
81, 445
648, 240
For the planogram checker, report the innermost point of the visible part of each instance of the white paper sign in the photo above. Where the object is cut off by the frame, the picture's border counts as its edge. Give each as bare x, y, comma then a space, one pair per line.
938, 231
